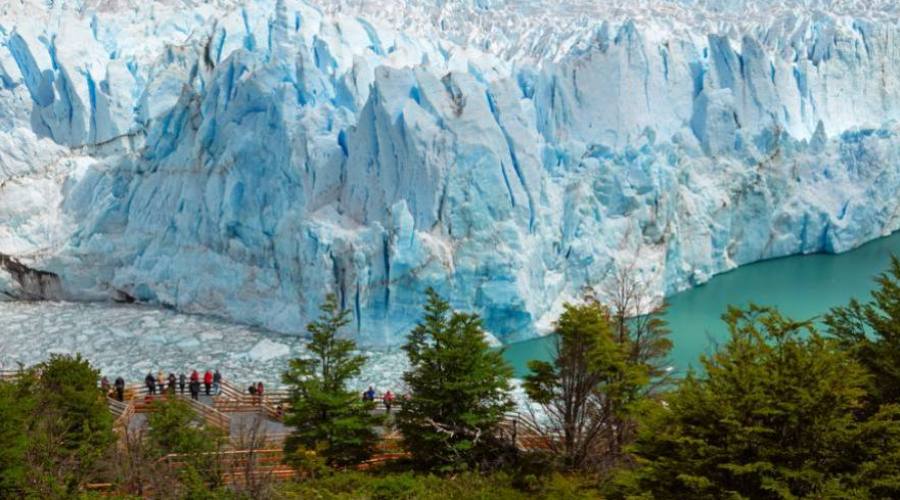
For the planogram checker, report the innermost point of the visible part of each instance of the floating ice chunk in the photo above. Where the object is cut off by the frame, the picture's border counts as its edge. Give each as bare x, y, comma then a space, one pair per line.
188, 343
266, 350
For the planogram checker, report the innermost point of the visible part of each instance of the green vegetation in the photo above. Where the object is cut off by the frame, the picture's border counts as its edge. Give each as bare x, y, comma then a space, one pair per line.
870, 333
604, 367
771, 417
464, 486
459, 390
328, 417
174, 428
55, 429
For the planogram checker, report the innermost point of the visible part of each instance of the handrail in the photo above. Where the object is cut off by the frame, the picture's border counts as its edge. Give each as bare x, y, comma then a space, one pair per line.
212, 416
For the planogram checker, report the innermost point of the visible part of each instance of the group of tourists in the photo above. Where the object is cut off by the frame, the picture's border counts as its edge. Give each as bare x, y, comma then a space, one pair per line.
211, 382
387, 399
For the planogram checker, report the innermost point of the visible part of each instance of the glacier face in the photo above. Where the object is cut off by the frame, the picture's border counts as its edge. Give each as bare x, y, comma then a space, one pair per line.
243, 159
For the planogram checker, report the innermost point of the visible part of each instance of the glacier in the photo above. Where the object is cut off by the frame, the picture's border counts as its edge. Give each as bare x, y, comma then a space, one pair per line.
243, 159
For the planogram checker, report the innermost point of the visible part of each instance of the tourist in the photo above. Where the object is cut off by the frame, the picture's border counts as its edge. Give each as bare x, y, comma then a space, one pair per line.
182, 379
172, 383
369, 396
194, 387
388, 400
195, 376
207, 381
120, 389
259, 389
161, 382
151, 383
217, 382
252, 389
104, 386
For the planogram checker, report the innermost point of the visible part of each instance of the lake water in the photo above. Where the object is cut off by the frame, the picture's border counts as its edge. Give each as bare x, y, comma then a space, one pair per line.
802, 287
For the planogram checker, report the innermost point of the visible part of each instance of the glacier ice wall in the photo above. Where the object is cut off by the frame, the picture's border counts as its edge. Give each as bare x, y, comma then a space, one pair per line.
243, 159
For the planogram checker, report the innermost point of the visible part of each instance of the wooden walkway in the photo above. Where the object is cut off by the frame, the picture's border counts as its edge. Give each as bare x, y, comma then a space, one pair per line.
239, 414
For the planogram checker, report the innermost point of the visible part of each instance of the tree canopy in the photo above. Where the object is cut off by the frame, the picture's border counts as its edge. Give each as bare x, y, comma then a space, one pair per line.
326, 415
458, 389
870, 332
771, 416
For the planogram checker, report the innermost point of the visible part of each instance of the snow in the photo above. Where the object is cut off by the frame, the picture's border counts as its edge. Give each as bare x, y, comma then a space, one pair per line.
243, 159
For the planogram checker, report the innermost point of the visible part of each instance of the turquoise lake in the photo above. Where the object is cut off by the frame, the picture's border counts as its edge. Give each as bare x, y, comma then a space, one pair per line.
802, 287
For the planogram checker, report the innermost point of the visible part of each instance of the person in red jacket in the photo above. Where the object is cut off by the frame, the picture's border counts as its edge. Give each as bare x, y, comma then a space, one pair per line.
207, 381
195, 376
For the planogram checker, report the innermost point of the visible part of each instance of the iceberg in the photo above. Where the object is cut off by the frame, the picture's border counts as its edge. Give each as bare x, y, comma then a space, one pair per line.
243, 159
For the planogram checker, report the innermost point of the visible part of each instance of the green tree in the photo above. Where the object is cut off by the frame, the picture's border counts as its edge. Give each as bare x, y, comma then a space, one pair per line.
459, 389
590, 391
771, 417
325, 414
175, 428
870, 332
16, 407
55, 427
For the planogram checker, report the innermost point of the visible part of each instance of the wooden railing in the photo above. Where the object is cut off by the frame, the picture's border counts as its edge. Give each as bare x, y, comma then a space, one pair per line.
230, 399
209, 414
212, 416
117, 408
240, 466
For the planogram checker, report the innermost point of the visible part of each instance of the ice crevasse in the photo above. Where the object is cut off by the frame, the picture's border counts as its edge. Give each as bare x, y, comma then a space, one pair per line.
243, 159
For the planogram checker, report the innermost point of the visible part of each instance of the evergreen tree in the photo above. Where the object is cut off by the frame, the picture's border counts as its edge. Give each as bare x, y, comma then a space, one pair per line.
325, 414
870, 332
589, 393
771, 417
459, 389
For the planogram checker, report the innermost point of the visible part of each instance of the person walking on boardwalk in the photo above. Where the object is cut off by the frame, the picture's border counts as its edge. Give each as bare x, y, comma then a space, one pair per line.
207, 381
182, 380
195, 389
160, 382
172, 384
120, 389
388, 400
104, 386
369, 395
259, 391
217, 382
150, 382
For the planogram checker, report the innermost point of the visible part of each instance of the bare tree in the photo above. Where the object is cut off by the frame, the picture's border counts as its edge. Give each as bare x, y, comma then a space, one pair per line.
137, 468
252, 477
638, 324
